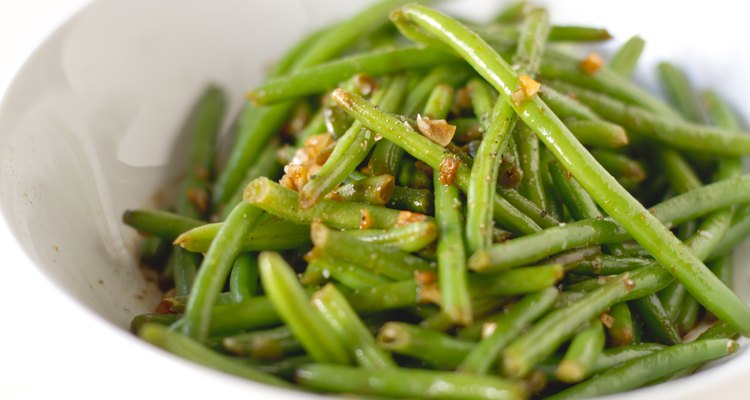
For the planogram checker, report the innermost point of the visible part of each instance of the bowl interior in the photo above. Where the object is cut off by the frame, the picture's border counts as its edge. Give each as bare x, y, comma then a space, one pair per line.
93, 124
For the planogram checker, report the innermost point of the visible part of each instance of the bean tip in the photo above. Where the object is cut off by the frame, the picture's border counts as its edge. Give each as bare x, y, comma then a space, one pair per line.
480, 261
570, 371
732, 346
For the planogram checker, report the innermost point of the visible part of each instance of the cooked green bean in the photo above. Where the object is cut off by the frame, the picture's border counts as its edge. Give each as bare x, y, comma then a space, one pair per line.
411, 237
243, 280
621, 332
386, 260
438, 349
600, 134
543, 338
216, 267
275, 234
375, 190
640, 371
194, 351
534, 247
582, 353
440, 102
291, 302
162, 224
350, 329
506, 327
284, 203
566, 107
451, 253
577, 201
270, 344
679, 91
676, 133
416, 200
626, 57
516, 281
621, 166
421, 383
656, 319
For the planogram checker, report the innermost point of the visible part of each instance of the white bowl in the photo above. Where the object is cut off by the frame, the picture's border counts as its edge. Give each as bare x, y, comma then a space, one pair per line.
92, 126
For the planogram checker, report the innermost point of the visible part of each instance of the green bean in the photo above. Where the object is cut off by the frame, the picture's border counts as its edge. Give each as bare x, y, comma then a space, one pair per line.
615, 200
610, 358
625, 59
162, 224
557, 65
528, 150
270, 235
388, 296
534, 247
216, 267
606, 264
541, 217
425, 150
284, 369
736, 234
656, 319
352, 148
194, 351
567, 107
671, 298
527, 58
552, 330
243, 280
350, 275
270, 344
678, 90
416, 200
621, 331
507, 326
646, 369
483, 179
621, 166
284, 203
350, 329
675, 133
386, 260
578, 34
411, 237
582, 353
577, 201
719, 330
681, 176
337, 121
513, 12
142, 319
452, 273
185, 267
440, 102
601, 134
421, 383
290, 301
722, 267
387, 155
516, 281
375, 190
258, 124
438, 349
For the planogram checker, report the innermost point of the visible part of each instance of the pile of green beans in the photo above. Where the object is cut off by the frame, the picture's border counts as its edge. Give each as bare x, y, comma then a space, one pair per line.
455, 210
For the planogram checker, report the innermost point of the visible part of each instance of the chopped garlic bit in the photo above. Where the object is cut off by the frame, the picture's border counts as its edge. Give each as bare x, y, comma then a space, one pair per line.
307, 161
592, 63
425, 277
448, 170
527, 88
365, 84
437, 130
607, 320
